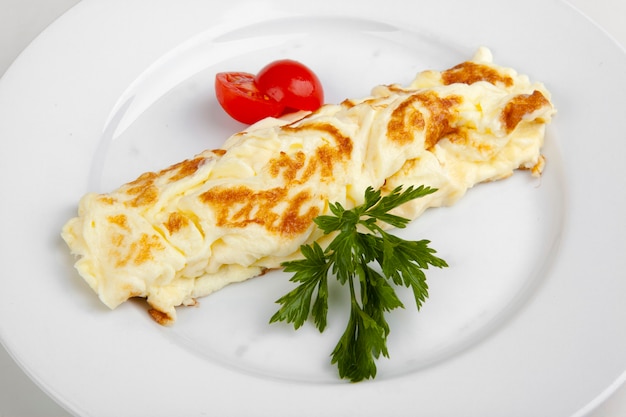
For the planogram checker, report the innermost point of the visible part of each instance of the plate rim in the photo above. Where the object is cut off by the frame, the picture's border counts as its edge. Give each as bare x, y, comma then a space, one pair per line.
621, 377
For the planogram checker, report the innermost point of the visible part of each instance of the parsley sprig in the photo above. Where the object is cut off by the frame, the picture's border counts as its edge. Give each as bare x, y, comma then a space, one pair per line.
351, 257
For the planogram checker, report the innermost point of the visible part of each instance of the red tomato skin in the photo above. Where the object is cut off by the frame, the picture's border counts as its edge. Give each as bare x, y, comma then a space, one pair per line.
292, 84
239, 96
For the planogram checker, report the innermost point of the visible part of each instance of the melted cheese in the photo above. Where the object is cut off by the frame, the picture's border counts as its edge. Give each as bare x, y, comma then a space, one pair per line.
227, 215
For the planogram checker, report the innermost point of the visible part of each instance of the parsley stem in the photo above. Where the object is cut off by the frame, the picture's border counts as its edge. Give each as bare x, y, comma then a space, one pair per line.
352, 291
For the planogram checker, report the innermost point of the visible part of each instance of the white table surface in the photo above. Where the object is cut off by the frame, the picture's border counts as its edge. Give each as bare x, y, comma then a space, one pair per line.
22, 20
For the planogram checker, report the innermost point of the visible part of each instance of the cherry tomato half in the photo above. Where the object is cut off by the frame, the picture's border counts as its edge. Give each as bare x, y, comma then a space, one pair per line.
292, 84
239, 96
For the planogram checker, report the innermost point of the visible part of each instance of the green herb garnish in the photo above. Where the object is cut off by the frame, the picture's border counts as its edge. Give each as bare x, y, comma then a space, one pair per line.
350, 257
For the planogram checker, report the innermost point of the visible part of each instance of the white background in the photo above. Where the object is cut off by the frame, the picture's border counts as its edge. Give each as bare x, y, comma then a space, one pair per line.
22, 20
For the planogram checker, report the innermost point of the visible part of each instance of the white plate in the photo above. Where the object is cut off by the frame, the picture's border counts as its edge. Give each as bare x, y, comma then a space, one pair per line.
527, 321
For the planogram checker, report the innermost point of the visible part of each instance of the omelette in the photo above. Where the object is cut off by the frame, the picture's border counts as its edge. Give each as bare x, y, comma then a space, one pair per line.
230, 214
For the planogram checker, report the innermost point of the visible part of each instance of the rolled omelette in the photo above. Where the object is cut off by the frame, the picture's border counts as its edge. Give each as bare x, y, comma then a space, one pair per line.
230, 214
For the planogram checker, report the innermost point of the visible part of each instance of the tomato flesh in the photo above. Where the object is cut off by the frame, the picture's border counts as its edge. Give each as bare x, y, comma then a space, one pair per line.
292, 84
239, 96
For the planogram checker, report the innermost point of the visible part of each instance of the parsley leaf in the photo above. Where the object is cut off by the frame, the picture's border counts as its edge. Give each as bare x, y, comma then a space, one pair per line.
360, 242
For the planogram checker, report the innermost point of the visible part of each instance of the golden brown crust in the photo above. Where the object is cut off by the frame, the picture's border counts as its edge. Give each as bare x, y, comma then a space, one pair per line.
406, 119
160, 317
287, 165
120, 220
471, 72
519, 106
140, 251
184, 169
144, 190
239, 206
175, 222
